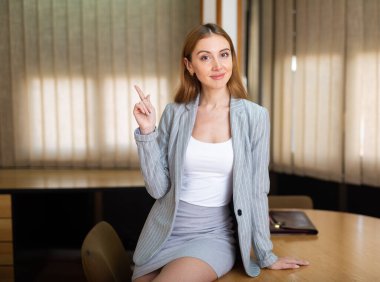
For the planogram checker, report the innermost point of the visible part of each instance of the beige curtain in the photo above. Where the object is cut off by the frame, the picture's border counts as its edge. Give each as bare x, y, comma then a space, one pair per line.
362, 136
321, 84
67, 73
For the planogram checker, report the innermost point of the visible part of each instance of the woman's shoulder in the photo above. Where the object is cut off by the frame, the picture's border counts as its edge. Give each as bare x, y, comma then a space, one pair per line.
252, 107
173, 107
172, 112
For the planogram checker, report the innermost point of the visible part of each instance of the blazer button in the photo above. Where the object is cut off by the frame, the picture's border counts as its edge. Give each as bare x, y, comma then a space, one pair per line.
239, 212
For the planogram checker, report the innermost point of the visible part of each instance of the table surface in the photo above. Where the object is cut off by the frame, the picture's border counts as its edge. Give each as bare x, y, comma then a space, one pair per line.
347, 248
28, 179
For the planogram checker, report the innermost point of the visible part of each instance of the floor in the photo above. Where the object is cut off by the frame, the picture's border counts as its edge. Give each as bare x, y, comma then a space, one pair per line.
49, 266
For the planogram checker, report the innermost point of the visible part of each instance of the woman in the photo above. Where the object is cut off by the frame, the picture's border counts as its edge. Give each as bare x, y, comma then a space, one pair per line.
211, 148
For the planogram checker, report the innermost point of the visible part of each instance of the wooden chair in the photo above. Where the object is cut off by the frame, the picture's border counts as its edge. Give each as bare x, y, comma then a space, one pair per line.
104, 258
290, 201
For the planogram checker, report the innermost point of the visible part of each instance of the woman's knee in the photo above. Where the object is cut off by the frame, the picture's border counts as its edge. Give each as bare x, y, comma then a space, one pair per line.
187, 270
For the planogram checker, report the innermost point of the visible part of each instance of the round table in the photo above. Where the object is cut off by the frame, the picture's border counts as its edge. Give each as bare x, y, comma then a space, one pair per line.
347, 248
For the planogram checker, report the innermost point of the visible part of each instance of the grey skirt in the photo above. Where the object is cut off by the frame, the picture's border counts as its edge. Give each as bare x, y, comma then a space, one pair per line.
205, 233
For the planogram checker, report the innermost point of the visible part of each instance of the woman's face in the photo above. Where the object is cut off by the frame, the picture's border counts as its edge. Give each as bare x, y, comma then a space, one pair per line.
211, 62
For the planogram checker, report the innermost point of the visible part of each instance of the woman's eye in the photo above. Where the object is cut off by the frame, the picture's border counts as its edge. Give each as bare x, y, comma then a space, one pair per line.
204, 58
225, 55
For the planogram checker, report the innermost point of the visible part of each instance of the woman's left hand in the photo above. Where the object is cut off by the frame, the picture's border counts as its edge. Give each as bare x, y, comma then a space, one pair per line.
288, 263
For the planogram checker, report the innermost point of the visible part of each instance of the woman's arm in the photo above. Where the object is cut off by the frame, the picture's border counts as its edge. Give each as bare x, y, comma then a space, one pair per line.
260, 161
152, 145
261, 234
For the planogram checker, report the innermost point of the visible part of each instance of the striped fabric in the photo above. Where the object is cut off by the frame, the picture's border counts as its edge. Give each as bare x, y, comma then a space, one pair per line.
162, 155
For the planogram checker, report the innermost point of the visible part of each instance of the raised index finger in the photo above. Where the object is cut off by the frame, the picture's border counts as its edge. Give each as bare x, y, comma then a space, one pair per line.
139, 91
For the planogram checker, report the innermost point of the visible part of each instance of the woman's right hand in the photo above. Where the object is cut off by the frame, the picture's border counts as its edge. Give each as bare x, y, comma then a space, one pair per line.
144, 113
288, 263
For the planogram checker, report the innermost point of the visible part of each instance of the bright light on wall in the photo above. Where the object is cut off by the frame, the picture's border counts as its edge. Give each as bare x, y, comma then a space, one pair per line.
294, 63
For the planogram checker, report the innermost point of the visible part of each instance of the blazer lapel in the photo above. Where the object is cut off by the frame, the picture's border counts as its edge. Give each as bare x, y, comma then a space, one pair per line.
238, 122
186, 125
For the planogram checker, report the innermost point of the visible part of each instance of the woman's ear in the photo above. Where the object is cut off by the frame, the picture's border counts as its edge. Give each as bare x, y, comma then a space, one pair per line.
189, 66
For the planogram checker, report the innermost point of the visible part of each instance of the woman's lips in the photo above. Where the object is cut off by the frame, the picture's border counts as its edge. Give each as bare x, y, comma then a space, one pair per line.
218, 76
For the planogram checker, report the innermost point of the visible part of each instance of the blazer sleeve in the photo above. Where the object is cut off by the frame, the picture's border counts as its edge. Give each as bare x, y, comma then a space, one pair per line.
153, 154
261, 242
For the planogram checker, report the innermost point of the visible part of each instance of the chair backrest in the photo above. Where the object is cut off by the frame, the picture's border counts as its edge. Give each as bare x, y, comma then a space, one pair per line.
104, 258
290, 201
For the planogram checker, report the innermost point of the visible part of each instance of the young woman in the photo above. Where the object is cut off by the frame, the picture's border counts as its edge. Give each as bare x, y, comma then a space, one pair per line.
211, 148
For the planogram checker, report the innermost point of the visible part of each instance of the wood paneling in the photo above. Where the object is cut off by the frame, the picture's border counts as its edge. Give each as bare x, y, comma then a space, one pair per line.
6, 253
6, 239
5, 229
6, 274
5, 206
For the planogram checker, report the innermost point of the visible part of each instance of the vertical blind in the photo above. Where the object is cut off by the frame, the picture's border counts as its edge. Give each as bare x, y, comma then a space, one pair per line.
321, 84
67, 73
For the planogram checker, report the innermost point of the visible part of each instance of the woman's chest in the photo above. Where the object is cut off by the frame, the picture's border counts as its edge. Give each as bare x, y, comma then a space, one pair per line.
212, 127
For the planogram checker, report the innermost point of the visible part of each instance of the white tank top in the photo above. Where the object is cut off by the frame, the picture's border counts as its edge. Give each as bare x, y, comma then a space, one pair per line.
207, 174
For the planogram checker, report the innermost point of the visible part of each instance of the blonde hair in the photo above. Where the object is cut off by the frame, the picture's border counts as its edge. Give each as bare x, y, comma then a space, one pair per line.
190, 86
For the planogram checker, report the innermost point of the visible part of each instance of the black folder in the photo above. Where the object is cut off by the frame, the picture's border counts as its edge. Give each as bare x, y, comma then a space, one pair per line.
291, 222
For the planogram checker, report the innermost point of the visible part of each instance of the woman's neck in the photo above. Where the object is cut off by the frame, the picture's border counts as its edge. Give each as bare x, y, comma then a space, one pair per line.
215, 98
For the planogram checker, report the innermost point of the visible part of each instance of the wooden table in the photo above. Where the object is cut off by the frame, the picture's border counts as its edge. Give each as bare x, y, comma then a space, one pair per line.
347, 248
14, 181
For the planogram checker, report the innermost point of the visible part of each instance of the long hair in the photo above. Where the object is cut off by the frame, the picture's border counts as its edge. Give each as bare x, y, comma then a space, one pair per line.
190, 86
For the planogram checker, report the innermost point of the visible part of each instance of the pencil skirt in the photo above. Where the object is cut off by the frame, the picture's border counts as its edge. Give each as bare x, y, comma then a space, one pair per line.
205, 233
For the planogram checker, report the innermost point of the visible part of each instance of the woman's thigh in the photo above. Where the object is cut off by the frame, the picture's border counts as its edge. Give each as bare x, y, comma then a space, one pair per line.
147, 277
186, 269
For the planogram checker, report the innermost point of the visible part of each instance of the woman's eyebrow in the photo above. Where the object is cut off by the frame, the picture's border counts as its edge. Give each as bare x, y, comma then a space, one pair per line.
205, 51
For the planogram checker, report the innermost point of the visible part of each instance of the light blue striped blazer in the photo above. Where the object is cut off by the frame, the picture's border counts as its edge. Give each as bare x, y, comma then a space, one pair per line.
162, 154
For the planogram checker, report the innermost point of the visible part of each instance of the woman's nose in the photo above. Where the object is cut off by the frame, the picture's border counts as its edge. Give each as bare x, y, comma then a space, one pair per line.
216, 64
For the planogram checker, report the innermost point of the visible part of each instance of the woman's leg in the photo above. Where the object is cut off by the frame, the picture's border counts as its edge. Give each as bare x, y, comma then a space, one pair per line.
147, 277
186, 269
